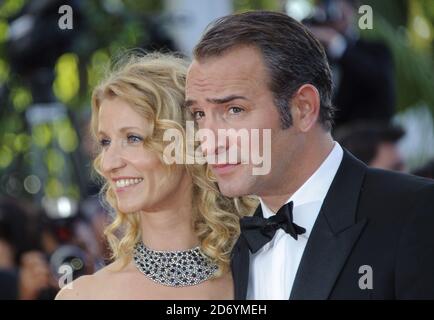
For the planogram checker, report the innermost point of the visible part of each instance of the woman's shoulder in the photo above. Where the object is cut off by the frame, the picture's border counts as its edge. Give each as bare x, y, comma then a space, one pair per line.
79, 289
91, 286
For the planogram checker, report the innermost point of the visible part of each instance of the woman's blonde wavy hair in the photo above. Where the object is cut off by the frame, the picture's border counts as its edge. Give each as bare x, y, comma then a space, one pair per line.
153, 84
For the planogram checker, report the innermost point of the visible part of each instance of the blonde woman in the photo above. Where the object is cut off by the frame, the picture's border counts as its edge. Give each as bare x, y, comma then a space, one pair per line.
173, 232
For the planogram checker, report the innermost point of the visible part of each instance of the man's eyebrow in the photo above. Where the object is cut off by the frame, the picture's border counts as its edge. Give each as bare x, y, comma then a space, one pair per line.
189, 102
225, 99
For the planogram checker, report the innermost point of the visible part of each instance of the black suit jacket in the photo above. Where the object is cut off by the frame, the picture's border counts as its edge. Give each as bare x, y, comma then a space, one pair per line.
369, 217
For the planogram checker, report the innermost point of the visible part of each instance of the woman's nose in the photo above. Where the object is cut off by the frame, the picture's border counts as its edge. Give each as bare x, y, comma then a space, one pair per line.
112, 159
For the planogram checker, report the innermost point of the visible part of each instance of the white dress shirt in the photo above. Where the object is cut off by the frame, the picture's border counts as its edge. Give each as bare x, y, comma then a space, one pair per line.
274, 266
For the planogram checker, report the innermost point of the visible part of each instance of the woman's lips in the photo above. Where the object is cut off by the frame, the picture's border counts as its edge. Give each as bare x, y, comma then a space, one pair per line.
126, 188
223, 168
122, 185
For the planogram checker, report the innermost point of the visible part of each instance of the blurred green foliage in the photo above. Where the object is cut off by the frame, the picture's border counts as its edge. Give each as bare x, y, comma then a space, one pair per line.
394, 23
246, 5
106, 28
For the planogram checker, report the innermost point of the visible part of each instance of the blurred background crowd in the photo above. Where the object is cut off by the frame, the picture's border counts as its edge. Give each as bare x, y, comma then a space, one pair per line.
51, 213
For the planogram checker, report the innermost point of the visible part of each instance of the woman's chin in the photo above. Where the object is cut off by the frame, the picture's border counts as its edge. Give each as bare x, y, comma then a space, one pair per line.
127, 209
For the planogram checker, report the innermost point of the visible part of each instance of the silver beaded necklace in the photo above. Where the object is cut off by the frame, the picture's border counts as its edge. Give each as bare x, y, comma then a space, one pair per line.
174, 268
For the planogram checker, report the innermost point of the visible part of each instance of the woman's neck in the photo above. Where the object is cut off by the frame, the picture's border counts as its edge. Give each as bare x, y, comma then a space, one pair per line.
169, 226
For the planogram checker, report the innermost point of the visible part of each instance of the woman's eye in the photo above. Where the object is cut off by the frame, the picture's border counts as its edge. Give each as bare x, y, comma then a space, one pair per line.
197, 115
235, 110
104, 142
134, 139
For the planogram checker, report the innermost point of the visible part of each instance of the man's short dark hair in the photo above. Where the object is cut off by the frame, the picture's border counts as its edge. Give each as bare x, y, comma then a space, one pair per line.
292, 55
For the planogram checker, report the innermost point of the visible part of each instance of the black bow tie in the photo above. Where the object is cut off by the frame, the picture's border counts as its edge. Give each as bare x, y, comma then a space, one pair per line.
258, 231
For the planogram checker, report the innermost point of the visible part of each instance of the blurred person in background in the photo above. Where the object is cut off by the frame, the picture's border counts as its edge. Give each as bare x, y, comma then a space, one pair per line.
363, 70
426, 171
34, 247
172, 232
376, 144
24, 269
69, 241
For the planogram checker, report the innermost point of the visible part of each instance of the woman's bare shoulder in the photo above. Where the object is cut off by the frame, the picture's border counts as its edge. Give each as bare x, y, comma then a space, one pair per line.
90, 286
79, 289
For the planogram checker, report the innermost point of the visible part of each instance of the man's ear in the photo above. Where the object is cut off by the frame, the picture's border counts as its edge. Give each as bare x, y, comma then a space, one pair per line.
305, 107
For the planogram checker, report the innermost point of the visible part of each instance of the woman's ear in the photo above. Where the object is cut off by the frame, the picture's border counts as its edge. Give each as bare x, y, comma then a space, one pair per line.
305, 107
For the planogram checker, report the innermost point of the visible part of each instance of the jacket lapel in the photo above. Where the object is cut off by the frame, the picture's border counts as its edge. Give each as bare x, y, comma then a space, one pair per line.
333, 235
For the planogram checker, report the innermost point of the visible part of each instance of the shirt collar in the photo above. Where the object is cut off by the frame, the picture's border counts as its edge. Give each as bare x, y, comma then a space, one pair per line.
316, 187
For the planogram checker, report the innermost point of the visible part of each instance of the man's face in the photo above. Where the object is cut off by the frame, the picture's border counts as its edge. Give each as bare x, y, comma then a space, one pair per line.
231, 92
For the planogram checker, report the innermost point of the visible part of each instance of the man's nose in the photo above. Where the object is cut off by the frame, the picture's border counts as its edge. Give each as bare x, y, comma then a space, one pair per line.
212, 136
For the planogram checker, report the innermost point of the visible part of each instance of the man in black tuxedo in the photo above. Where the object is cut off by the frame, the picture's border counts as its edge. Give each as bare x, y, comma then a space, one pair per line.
328, 227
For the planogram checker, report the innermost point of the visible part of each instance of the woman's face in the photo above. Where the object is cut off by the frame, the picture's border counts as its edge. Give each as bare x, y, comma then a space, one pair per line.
136, 174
